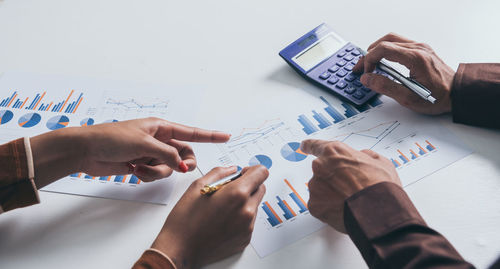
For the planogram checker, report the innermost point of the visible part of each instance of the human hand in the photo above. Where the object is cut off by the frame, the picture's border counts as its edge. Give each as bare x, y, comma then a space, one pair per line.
424, 65
205, 228
339, 172
153, 146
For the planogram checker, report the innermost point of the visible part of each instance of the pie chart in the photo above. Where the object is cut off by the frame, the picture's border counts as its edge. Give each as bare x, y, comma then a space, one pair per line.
87, 122
57, 122
261, 159
5, 116
292, 152
29, 120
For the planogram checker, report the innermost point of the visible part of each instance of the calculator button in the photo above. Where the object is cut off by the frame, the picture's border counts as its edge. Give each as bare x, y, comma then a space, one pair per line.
365, 89
325, 75
357, 83
355, 61
349, 49
334, 68
342, 84
358, 95
341, 63
349, 58
350, 90
355, 53
349, 67
351, 77
333, 80
341, 73
342, 54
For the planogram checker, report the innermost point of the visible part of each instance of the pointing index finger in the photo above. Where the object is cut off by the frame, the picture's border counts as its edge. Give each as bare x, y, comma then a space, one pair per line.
313, 146
170, 130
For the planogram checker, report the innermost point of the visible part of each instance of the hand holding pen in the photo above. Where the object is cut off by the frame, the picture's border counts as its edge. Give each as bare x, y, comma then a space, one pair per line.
426, 68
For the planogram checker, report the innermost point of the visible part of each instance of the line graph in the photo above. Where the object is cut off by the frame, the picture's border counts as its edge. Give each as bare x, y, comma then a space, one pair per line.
132, 103
249, 135
368, 138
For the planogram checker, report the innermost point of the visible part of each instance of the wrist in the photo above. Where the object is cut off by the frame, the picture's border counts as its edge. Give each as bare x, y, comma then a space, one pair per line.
56, 154
175, 249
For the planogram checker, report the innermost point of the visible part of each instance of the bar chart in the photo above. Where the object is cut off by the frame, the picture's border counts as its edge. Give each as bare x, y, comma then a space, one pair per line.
65, 105
336, 115
128, 179
281, 209
412, 154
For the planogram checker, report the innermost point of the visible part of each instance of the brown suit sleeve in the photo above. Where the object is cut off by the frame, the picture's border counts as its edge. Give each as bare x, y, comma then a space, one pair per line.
16, 188
390, 233
475, 95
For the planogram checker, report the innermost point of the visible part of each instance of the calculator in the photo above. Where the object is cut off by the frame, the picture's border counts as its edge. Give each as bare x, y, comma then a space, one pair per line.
327, 60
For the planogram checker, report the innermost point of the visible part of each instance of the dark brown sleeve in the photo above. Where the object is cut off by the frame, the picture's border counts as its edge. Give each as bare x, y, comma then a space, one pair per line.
475, 95
16, 189
390, 233
153, 260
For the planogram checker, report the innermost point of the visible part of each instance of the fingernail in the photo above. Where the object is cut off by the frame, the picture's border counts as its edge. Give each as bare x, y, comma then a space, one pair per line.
131, 167
183, 167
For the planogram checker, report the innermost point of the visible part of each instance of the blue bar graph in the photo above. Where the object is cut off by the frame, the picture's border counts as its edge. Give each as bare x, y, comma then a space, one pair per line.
88, 177
323, 122
396, 164
296, 199
349, 110
363, 108
403, 159
288, 214
270, 215
74, 175
118, 179
336, 116
133, 180
375, 102
309, 128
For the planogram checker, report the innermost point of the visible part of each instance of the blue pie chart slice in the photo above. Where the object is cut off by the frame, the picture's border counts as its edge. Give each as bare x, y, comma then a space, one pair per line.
87, 122
58, 122
29, 120
5, 116
291, 152
261, 159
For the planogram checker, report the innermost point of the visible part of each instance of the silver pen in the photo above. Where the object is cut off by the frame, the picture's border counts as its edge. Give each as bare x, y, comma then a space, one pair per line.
409, 83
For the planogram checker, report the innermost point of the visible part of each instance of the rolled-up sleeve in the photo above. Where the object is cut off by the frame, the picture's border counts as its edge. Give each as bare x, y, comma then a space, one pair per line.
17, 189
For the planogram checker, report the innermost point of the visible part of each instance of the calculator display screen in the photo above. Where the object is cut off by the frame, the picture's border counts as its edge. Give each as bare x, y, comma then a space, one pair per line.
318, 52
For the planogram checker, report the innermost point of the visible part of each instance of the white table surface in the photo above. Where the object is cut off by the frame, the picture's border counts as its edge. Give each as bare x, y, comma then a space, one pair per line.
230, 48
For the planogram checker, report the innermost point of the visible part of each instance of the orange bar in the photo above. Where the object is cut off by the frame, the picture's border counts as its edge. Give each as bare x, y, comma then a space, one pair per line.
425, 141
12, 100
421, 148
25, 100
124, 177
65, 102
397, 162
274, 212
403, 155
39, 101
79, 174
49, 106
109, 178
411, 150
296, 193
138, 181
77, 105
289, 208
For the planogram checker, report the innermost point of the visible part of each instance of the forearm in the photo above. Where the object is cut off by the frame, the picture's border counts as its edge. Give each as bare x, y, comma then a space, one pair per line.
389, 232
475, 94
56, 154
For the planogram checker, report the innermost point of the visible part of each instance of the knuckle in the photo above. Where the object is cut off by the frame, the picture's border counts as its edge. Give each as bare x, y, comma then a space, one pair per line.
239, 195
248, 214
317, 166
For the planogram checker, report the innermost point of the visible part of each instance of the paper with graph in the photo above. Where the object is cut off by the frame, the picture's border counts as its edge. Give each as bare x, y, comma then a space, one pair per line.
416, 145
32, 104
